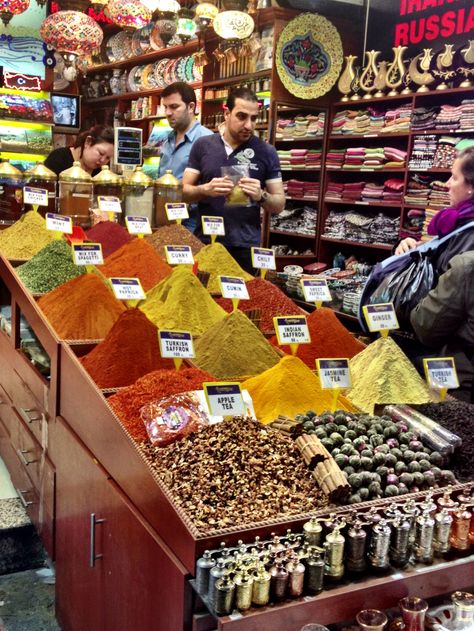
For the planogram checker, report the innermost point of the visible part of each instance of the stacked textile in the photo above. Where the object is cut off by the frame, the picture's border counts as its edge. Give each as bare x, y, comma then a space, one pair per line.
362, 228
439, 195
308, 126
424, 118
301, 188
467, 118
448, 117
424, 149
418, 190
353, 190
413, 224
343, 122
295, 159
397, 120
334, 190
298, 220
445, 152
372, 192
335, 158
393, 190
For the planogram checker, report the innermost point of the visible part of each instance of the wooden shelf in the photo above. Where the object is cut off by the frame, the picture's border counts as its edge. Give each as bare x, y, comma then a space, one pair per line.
350, 104
239, 79
295, 256
347, 202
303, 199
305, 139
127, 96
429, 170
368, 170
374, 246
288, 233
401, 134
302, 169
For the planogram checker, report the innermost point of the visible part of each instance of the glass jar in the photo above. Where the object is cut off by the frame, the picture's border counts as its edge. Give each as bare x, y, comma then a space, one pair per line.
106, 183
11, 193
413, 613
138, 195
168, 189
40, 176
463, 617
75, 194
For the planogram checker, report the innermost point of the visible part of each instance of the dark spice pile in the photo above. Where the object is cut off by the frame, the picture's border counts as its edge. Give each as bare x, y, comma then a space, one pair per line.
110, 234
174, 234
236, 472
457, 417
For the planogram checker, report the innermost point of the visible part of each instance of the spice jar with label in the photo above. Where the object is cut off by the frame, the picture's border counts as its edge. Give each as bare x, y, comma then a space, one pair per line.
138, 195
11, 193
40, 176
75, 194
168, 189
106, 184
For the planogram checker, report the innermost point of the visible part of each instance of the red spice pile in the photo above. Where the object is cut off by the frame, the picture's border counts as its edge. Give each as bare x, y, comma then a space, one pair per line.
267, 297
329, 338
154, 386
110, 235
129, 351
137, 259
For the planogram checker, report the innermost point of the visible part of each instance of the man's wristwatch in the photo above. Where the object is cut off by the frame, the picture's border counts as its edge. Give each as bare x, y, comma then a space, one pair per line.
264, 197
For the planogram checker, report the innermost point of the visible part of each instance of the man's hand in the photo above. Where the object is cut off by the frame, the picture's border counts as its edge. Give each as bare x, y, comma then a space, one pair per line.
217, 187
406, 245
251, 187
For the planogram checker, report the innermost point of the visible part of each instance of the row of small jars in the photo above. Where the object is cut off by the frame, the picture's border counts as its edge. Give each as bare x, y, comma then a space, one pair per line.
78, 193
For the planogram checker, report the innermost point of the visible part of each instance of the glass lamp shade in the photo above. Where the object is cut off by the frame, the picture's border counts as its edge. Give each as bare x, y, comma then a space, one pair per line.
165, 28
162, 6
128, 14
233, 25
9, 8
71, 32
205, 13
186, 26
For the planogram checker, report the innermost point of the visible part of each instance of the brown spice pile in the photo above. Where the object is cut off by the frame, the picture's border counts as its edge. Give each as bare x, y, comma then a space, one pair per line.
174, 234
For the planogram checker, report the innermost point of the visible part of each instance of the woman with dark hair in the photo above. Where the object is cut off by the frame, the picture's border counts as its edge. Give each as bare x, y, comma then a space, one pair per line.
93, 148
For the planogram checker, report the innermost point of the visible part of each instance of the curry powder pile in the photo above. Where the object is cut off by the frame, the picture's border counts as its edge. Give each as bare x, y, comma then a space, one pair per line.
25, 237
216, 260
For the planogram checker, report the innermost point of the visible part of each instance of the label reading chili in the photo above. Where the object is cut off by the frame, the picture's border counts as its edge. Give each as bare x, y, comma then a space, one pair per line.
263, 258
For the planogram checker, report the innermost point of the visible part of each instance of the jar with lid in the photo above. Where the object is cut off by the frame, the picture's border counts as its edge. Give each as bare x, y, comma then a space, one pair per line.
75, 194
106, 183
40, 176
168, 190
138, 195
11, 193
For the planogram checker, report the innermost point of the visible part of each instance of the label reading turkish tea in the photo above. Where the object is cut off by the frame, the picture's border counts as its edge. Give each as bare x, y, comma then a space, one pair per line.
176, 211
177, 344
291, 330
381, 317
233, 287
138, 225
263, 258
213, 225
35, 196
87, 254
316, 290
59, 223
334, 373
224, 399
441, 372
109, 204
127, 288
179, 255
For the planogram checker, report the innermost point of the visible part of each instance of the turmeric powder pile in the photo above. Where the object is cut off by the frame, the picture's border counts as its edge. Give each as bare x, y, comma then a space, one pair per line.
216, 260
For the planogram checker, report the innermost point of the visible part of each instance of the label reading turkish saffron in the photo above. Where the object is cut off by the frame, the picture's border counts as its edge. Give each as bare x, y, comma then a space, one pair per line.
87, 254
58, 223
109, 204
179, 255
224, 399
441, 372
263, 258
213, 225
137, 225
175, 211
291, 330
127, 288
381, 317
233, 287
176, 344
35, 196
316, 290
334, 373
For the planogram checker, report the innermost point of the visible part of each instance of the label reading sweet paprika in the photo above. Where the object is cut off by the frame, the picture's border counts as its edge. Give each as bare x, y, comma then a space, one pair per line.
316, 290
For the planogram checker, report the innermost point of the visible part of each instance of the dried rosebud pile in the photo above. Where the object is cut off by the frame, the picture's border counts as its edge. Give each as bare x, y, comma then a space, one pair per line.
234, 473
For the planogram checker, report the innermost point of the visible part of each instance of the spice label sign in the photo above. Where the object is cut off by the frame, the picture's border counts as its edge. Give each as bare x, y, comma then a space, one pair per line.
334, 373
441, 372
176, 211
381, 317
224, 399
109, 204
213, 225
233, 287
87, 254
138, 225
127, 288
58, 223
263, 258
291, 330
176, 344
316, 290
35, 196
179, 255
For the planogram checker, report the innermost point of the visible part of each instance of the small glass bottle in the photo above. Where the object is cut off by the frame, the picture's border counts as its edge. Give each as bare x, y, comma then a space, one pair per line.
40, 176
463, 617
75, 194
413, 613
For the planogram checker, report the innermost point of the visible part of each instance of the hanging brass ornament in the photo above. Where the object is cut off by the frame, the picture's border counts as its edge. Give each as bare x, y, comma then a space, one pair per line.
396, 70
422, 61
369, 73
347, 77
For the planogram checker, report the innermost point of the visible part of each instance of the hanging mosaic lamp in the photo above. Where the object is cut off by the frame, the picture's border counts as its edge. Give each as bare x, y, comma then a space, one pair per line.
233, 25
9, 8
205, 14
71, 32
187, 27
166, 19
234, 5
128, 14
97, 5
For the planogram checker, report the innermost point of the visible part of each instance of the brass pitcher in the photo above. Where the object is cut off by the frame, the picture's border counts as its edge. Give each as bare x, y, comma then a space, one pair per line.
344, 84
396, 70
367, 78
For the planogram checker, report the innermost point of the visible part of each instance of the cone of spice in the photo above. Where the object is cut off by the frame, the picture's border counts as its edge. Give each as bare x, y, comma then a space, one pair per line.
25, 237
110, 235
174, 234
216, 260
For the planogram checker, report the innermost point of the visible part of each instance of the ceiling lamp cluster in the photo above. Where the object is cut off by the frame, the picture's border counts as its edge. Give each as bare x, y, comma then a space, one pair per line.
128, 14
10, 8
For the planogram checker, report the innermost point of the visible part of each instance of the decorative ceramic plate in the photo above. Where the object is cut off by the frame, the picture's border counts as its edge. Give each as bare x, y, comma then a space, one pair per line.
131, 79
196, 71
156, 42
137, 79
168, 76
148, 80
121, 45
309, 56
109, 52
159, 72
145, 33
179, 69
136, 46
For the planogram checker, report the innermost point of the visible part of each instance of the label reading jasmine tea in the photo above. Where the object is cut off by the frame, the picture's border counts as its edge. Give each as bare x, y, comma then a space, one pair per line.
334, 373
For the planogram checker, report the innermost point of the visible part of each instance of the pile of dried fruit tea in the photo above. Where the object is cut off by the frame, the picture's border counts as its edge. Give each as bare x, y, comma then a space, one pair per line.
174, 234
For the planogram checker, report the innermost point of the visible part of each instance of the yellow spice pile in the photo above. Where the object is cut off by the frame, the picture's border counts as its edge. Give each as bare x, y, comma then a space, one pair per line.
25, 237
216, 260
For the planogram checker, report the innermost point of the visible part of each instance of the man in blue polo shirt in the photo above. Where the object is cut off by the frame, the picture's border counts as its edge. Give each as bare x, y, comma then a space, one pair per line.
235, 144
179, 101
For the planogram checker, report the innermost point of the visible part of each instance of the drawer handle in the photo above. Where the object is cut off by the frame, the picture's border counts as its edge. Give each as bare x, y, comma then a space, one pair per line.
25, 413
25, 503
21, 453
93, 556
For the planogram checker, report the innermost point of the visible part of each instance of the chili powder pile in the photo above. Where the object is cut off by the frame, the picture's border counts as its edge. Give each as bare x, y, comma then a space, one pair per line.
129, 351
127, 403
110, 235
329, 338
137, 259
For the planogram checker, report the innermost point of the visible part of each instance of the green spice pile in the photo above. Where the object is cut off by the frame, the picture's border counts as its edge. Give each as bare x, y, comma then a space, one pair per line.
52, 266
26, 237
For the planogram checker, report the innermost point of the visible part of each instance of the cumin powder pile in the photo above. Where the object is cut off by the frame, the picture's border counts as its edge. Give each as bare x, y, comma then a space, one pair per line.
216, 260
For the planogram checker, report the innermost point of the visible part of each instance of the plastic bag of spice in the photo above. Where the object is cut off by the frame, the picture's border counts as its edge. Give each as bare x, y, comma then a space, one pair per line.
173, 417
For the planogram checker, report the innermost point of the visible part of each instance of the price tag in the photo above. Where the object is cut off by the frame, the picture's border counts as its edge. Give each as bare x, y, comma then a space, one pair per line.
35, 196
381, 317
109, 204
334, 373
233, 287
224, 399
441, 372
213, 225
179, 254
292, 330
138, 225
59, 223
263, 259
87, 254
316, 290
127, 288
177, 344
176, 211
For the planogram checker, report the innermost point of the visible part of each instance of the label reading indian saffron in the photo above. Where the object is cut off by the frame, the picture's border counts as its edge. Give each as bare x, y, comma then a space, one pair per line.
441, 372
213, 225
233, 287
87, 254
109, 204
35, 196
381, 317
127, 288
175, 211
179, 255
58, 223
334, 373
316, 290
224, 399
263, 258
176, 344
137, 225
291, 330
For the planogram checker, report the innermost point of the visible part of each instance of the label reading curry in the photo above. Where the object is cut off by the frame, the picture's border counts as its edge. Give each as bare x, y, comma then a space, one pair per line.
263, 258
224, 398
441, 372
334, 373
176, 344
179, 255
381, 317
291, 330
